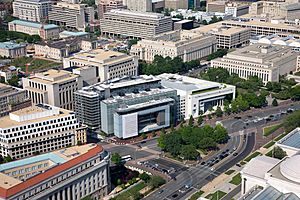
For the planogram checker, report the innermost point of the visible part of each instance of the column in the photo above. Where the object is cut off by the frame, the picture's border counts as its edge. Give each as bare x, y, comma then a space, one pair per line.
69, 192
64, 194
58, 195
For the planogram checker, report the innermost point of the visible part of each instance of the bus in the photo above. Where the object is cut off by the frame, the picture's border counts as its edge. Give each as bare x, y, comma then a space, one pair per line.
126, 158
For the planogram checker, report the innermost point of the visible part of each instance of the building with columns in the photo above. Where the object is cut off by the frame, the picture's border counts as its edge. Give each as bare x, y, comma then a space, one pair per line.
66, 174
187, 45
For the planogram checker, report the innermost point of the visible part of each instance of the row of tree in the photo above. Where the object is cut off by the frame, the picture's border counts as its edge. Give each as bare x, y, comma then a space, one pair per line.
12, 35
162, 65
185, 141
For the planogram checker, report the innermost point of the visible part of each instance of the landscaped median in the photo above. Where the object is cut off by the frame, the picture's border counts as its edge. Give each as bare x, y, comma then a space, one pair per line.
216, 195
271, 129
253, 155
197, 195
236, 180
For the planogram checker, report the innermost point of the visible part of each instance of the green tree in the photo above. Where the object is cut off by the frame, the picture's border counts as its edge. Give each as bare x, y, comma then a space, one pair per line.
2, 79
173, 143
279, 153
144, 136
191, 121
132, 42
161, 141
295, 93
156, 181
219, 112
119, 182
7, 159
137, 196
274, 102
144, 176
207, 143
116, 158
189, 152
220, 134
292, 121
14, 81
200, 120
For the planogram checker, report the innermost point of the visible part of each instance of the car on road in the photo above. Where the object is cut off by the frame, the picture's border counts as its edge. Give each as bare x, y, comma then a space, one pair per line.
235, 154
212, 169
160, 191
237, 117
238, 165
203, 163
187, 186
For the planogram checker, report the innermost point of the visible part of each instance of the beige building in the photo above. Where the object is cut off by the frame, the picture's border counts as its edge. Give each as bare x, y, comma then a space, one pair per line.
227, 37
31, 10
67, 174
134, 24
12, 50
53, 87
107, 5
40, 128
45, 31
176, 4
63, 48
109, 64
139, 5
72, 16
216, 6
10, 96
265, 61
187, 45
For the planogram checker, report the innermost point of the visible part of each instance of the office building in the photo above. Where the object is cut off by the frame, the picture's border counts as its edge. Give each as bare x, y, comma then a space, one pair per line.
37, 129
196, 96
109, 64
8, 72
67, 174
87, 100
32, 10
180, 43
5, 9
45, 31
10, 97
12, 50
53, 87
264, 61
130, 114
60, 49
269, 178
236, 9
227, 37
265, 28
107, 5
125, 23
139, 5
177, 4
216, 6
71, 16
183, 24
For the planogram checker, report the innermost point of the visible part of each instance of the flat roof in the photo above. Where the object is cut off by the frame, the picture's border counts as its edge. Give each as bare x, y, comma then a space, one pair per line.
91, 151
138, 14
76, 34
10, 45
34, 24
292, 139
53, 76
271, 193
218, 28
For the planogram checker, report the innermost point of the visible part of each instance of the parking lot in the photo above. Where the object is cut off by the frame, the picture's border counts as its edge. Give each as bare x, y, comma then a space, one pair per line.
164, 166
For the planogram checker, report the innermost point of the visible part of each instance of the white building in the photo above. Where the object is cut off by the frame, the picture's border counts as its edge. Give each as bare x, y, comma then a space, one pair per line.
290, 143
138, 5
12, 50
265, 61
275, 39
134, 24
66, 174
279, 177
73, 16
45, 31
40, 128
109, 64
196, 95
184, 44
32, 10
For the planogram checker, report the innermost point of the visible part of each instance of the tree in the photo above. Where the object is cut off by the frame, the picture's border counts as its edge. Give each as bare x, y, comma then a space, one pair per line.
204, 22
173, 143
292, 121
200, 120
2, 79
144, 136
14, 81
278, 153
191, 121
219, 112
189, 152
116, 158
274, 102
161, 141
7, 159
144, 176
220, 134
119, 182
137, 196
207, 143
156, 181
132, 42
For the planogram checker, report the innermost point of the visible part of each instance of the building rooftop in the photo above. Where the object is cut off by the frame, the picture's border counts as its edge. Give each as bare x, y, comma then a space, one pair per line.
32, 114
137, 14
272, 193
6, 90
10, 186
291, 140
63, 43
117, 83
73, 34
218, 28
53, 76
34, 24
10, 45
187, 85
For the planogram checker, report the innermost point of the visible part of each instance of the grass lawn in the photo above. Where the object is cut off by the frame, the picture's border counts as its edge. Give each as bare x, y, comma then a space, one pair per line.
268, 145
269, 153
252, 156
131, 192
36, 64
271, 129
236, 180
242, 163
196, 195
216, 196
280, 137
229, 172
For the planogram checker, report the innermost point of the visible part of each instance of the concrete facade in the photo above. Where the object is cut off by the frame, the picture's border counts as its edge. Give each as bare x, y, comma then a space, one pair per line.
12, 50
